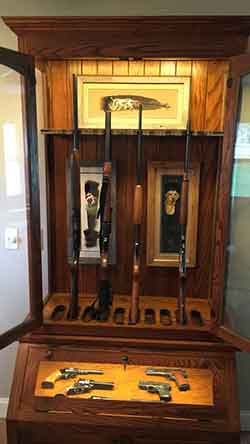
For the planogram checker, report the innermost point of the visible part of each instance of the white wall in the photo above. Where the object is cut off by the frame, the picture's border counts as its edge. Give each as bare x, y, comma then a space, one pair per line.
120, 7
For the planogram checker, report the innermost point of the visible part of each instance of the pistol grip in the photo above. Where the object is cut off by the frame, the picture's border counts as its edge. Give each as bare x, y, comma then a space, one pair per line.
180, 381
49, 383
164, 394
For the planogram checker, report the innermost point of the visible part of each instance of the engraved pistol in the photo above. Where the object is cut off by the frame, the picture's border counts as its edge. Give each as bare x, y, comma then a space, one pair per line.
67, 373
86, 385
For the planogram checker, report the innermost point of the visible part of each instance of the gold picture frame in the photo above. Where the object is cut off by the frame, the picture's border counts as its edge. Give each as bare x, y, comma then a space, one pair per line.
163, 213
166, 108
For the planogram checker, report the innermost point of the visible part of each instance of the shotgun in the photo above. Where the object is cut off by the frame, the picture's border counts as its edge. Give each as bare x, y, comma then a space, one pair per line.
74, 167
104, 296
181, 302
134, 308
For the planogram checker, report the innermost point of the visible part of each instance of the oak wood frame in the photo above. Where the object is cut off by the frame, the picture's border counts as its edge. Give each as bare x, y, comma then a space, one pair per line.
165, 36
154, 257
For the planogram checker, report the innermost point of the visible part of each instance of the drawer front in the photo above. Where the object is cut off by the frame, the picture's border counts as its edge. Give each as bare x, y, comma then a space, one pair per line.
223, 409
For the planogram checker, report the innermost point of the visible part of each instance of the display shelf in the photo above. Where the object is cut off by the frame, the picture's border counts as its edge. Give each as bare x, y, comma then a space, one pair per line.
129, 132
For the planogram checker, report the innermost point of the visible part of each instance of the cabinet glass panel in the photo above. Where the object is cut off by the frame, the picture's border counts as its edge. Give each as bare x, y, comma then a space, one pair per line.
14, 274
237, 297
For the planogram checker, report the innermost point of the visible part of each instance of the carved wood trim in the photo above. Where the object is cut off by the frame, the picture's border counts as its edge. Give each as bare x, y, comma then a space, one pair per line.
166, 36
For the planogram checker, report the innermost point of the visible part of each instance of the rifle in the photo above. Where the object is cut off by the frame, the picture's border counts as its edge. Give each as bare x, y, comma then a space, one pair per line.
100, 308
104, 296
181, 302
134, 308
74, 164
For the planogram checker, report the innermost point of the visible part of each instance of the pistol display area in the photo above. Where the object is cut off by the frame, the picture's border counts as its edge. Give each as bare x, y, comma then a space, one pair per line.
126, 383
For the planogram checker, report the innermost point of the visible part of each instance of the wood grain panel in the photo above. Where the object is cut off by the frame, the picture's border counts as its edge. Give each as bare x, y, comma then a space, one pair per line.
198, 94
168, 68
105, 68
152, 68
120, 67
73, 67
216, 85
183, 67
157, 281
58, 101
136, 68
89, 67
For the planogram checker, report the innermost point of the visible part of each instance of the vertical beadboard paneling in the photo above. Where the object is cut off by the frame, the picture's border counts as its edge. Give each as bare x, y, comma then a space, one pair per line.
215, 94
168, 67
198, 94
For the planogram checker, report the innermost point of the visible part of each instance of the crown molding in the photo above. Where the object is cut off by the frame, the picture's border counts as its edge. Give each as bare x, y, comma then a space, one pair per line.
164, 36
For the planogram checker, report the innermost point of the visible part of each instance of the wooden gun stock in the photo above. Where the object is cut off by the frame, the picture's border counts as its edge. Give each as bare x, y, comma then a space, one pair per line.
134, 310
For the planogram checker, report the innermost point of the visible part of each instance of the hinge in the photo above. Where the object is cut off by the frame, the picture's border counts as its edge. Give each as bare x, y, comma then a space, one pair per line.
229, 82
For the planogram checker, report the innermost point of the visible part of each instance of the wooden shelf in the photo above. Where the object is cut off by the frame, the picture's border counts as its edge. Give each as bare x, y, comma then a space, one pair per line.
129, 132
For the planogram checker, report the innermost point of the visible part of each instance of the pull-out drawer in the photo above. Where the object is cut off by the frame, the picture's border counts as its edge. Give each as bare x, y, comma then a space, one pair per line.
129, 415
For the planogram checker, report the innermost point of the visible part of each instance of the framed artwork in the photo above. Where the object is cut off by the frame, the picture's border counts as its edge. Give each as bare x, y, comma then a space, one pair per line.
163, 211
91, 175
165, 101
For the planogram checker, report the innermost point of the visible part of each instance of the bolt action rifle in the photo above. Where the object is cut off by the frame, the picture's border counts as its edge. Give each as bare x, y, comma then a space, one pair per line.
74, 164
134, 308
181, 302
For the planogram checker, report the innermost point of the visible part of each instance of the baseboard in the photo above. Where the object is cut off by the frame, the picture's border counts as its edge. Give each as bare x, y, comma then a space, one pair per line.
3, 407
245, 420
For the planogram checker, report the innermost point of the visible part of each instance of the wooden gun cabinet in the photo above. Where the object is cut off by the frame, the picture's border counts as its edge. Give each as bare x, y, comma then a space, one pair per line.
212, 53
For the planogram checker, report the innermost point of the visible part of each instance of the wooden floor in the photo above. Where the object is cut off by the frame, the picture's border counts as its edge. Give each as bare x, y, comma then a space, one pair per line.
245, 436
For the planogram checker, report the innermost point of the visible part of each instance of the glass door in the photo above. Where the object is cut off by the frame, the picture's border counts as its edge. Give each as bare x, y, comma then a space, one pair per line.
20, 252
231, 272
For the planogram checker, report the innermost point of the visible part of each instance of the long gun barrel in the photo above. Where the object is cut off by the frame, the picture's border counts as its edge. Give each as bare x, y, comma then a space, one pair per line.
75, 209
181, 309
134, 308
65, 374
178, 375
104, 299
87, 385
162, 389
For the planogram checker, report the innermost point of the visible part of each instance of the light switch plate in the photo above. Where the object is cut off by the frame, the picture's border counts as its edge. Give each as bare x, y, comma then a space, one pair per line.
11, 238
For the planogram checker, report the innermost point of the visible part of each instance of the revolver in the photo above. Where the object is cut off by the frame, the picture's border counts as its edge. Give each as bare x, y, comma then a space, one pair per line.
178, 375
67, 373
162, 389
86, 385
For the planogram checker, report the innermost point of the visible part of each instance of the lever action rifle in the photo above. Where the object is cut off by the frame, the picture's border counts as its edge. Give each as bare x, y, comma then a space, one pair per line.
74, 165
181, 309
134, 308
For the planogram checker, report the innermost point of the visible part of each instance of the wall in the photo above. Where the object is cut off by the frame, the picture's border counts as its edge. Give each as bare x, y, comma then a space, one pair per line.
119, 7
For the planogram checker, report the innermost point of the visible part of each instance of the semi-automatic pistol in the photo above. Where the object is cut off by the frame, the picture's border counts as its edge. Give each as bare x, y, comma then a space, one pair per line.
178, 375
67, 373
86, 385
162, 389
